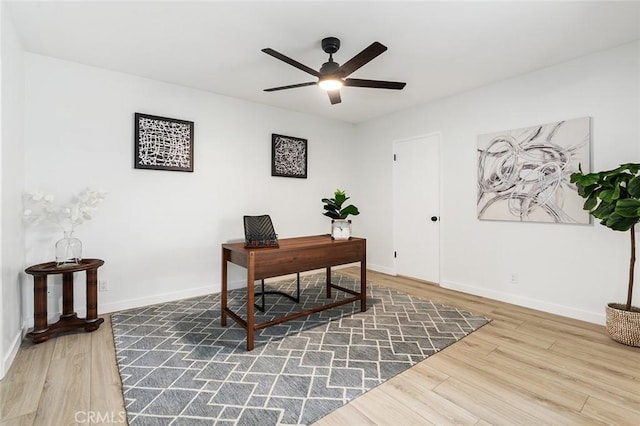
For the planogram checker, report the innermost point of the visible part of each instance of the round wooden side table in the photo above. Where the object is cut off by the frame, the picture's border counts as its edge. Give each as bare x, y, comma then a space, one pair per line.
69, 319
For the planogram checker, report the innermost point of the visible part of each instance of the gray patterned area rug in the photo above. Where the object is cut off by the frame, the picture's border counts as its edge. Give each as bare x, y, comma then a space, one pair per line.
180, 367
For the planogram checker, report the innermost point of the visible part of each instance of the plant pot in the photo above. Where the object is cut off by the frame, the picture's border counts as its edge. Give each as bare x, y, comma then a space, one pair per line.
623, 326
340, 229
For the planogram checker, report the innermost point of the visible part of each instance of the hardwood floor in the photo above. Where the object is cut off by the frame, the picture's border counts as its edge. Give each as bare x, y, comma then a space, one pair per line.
525, 367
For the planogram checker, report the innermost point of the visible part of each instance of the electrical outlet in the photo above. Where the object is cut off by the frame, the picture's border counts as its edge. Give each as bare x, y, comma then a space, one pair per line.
103, 285
514, 278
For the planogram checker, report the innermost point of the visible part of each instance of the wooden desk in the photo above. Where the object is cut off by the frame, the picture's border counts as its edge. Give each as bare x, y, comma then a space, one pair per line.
294, 255
69, 319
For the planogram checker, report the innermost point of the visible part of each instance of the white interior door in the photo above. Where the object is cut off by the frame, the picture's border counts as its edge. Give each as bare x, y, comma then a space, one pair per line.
417, 207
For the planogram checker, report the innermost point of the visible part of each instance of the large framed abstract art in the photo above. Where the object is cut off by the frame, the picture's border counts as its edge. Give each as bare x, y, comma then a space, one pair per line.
163, 143
524, 174
288, 156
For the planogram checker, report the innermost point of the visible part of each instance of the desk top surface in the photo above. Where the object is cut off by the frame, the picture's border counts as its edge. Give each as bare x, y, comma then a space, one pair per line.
295, 243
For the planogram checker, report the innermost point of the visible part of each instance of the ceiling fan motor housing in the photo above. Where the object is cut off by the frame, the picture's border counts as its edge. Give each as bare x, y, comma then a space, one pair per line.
329, 68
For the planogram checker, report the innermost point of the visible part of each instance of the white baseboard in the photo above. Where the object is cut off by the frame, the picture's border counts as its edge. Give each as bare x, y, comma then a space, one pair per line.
104, 308
565, 311
168, 297
381, 269
151, 300
11, 354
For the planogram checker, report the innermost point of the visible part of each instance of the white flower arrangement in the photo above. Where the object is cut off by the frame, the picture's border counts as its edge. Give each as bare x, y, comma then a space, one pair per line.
39, 207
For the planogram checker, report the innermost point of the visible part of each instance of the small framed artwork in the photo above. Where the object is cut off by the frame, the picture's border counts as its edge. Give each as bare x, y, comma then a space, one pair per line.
288, 156
163, 143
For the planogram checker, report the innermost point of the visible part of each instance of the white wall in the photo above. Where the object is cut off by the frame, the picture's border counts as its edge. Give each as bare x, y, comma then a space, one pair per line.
11, 183
567, 269
159, 232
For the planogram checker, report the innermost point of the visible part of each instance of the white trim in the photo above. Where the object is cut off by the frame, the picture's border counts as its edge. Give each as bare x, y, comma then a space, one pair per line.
151, 300
106, 308
196, 292
382, 269
11, 354
540, 305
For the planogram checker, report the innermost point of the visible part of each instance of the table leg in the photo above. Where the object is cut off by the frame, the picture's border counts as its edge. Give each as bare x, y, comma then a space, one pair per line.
328, 280
223, 291
67, 296
250, 300
92, 322
40, 328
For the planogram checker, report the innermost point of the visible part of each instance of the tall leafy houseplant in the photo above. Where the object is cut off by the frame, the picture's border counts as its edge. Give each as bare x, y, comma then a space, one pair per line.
613, 196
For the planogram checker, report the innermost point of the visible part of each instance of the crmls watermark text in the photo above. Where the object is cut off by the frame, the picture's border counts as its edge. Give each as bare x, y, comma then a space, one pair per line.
107, 417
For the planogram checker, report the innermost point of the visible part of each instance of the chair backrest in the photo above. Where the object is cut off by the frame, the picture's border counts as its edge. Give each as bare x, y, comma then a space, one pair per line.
259, 232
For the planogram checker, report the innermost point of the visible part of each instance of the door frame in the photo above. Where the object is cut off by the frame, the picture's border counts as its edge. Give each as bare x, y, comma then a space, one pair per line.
394, 143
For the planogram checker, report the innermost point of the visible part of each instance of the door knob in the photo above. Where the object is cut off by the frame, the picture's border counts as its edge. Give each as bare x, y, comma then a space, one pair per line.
434, 218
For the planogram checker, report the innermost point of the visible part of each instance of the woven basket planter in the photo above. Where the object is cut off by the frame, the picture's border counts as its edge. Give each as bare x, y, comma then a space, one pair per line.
623, 326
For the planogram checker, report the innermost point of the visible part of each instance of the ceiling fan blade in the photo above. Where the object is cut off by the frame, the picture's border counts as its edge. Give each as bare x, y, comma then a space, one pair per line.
291, 86
334, 96
291, 62
361, 58
375, 84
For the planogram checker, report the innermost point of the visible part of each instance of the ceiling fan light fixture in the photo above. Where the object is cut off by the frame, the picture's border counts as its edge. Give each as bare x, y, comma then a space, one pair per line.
330, 84
332, 76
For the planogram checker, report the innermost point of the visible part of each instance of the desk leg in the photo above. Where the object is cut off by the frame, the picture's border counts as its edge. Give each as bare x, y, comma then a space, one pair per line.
250, 300
363, 280
67, 296
39, 333
328, 280
223, 291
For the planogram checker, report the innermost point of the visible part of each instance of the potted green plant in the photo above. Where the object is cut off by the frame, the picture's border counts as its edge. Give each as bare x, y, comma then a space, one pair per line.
613, 196
340, 225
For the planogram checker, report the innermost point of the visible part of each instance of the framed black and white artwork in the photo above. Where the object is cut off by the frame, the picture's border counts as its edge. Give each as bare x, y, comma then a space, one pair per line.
524, 174
288, 156
163, 143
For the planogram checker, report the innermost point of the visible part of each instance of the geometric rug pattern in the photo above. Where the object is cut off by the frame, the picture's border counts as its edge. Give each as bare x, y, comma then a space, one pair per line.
179, 366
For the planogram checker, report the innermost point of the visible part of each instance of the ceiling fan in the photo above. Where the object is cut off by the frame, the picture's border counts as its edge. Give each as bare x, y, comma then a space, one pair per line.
332, 76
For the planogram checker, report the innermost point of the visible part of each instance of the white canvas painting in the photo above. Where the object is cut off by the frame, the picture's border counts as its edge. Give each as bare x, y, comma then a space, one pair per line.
523, 174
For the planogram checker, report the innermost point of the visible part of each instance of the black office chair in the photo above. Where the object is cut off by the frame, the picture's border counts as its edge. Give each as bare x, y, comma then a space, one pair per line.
259, 232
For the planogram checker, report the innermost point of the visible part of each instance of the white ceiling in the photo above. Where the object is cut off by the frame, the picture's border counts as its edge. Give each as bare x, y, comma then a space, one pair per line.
438, 48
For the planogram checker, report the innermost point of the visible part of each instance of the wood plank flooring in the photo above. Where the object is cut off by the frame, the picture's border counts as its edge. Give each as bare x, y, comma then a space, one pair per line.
526, 367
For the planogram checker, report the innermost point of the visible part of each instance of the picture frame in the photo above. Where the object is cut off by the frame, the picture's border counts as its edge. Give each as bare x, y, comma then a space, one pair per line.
524, 174
288, 156
162, 143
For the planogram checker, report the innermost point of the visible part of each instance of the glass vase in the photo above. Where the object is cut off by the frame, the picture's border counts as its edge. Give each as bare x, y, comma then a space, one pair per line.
68, 250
